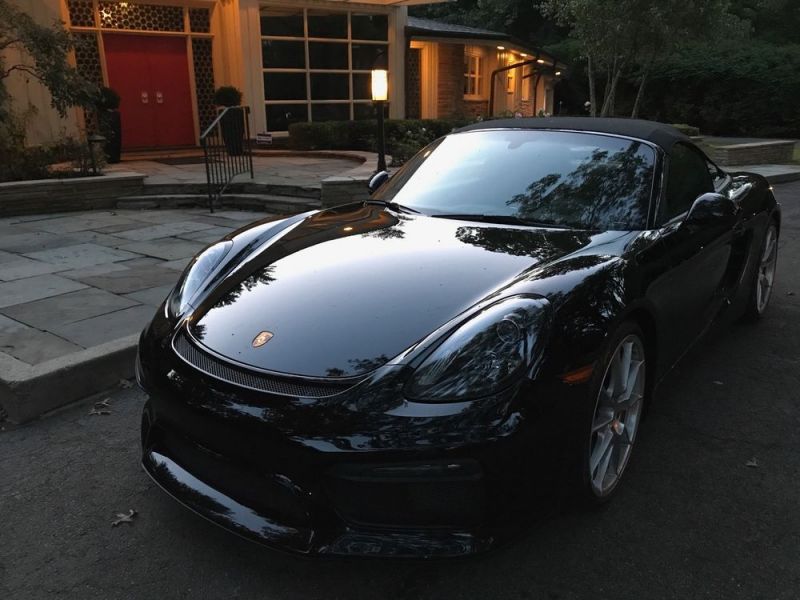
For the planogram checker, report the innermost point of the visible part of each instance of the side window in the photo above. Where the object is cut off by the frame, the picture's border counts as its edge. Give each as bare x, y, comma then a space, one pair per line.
718, 176
687, 178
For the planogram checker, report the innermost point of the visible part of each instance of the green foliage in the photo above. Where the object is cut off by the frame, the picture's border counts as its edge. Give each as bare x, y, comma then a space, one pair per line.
623, 38
404, 138
45, 49
21, 163
733, 89
227, 95
107, 99
685, 129
519, 18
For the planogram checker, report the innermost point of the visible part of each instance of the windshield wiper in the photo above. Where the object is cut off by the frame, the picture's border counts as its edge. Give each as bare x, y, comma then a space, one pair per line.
501, 219
394, 206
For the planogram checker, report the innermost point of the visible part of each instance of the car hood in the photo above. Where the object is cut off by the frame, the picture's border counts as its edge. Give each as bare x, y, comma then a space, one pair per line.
347, 289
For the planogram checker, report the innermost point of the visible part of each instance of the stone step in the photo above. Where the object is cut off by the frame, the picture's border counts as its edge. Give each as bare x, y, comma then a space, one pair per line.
266, 202
245, 187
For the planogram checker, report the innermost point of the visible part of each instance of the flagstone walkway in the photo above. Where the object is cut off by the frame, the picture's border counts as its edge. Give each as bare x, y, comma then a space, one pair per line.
75, 280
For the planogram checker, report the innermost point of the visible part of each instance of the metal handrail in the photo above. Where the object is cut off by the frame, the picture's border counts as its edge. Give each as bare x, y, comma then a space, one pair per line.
227, 149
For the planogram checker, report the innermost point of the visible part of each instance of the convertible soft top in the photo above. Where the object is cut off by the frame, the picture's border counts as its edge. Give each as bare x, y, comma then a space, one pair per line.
658, 133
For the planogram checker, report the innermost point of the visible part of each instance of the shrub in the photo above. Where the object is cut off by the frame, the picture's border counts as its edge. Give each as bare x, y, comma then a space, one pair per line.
685, 129
227, 95
107, 99
404, 137
739, 89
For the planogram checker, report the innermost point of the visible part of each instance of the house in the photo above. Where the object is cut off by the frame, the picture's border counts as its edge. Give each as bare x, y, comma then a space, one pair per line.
307, 60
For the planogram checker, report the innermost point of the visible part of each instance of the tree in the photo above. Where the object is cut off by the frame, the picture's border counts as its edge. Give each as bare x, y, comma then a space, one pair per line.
42, 52
621, 37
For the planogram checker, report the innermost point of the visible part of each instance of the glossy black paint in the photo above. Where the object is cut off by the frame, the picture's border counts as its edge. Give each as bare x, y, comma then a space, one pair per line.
355, 297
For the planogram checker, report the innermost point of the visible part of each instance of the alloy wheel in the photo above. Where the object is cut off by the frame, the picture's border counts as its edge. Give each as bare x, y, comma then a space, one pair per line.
766, 269
617, 415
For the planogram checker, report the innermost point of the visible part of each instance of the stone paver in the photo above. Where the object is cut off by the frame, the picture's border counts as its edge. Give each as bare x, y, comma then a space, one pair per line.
105, 328
35, 288
161, 231
20, 267
132, 280
75, 280
81, 255
151, 296
31, 345
167, 248
67, 308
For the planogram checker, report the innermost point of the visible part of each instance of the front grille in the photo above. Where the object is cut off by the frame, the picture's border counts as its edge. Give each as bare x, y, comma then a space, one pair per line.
272, 384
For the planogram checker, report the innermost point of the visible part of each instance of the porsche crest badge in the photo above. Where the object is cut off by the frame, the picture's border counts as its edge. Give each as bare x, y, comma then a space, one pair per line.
262, 338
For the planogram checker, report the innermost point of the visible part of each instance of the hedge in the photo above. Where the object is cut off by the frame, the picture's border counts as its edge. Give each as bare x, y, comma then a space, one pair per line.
404, 137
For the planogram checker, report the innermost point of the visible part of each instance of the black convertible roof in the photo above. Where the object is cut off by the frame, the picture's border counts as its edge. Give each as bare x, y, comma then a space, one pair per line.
658, 133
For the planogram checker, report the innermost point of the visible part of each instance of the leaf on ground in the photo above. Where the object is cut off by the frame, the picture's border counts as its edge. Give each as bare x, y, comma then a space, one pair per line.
124, 383
717, 382
790, 293
124, 518
99, 411
102, 403
753, 463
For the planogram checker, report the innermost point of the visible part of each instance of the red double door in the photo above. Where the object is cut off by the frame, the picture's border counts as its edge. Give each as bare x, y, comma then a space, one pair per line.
151, 75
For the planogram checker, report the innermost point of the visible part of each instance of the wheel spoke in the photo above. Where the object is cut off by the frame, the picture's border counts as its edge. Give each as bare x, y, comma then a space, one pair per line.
602, 444
632, 379
602, 468
769, 246
602, 421
625, 365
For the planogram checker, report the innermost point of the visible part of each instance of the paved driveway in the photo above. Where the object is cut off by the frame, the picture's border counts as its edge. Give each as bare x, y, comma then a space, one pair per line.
692, 519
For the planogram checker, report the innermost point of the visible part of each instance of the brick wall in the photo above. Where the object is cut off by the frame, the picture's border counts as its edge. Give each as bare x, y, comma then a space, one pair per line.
451, 80
413, 85
476, 108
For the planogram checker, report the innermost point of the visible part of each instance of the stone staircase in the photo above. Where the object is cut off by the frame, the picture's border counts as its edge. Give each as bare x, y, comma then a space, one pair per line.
271, 198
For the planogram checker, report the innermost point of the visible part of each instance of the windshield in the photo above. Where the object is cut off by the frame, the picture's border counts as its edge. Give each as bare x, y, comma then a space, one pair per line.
556, 178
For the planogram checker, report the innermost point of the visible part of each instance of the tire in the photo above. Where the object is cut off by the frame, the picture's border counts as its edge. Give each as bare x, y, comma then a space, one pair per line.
611, 424
764, 275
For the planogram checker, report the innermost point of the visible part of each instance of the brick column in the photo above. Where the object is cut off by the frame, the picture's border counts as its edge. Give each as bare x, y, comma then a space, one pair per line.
451, 80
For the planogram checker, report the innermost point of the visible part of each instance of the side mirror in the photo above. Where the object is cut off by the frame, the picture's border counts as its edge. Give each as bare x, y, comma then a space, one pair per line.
711, 209
377, 181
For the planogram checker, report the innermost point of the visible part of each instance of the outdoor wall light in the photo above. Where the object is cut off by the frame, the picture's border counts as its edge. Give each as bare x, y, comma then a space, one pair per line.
380, 94
558, 73
380, 85
540, 61
501, 47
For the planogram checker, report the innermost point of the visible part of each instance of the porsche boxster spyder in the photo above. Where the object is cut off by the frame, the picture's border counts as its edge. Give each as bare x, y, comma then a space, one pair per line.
402, 376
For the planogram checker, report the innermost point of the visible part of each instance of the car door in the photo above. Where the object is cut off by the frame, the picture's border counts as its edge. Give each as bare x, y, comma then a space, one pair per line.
690, 289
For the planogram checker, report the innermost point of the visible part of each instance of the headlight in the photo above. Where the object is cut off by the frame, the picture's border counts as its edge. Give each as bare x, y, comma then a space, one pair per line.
486, 354
195, 275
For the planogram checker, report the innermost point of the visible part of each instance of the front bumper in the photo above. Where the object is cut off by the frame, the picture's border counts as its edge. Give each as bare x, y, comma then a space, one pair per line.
358, 473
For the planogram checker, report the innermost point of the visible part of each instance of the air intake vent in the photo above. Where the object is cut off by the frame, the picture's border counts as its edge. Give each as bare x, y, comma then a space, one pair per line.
253, 380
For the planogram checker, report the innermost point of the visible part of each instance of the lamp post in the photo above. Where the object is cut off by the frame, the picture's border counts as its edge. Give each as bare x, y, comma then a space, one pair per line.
380, 94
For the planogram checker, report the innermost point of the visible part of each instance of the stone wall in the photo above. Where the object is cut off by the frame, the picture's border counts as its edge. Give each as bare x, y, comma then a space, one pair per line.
451, 80
757, 153
61, 195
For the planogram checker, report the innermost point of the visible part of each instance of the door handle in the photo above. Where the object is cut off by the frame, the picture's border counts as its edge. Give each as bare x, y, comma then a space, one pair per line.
145, 98
159, 98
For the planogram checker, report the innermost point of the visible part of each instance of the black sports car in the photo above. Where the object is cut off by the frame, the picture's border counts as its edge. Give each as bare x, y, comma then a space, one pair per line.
404, 376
